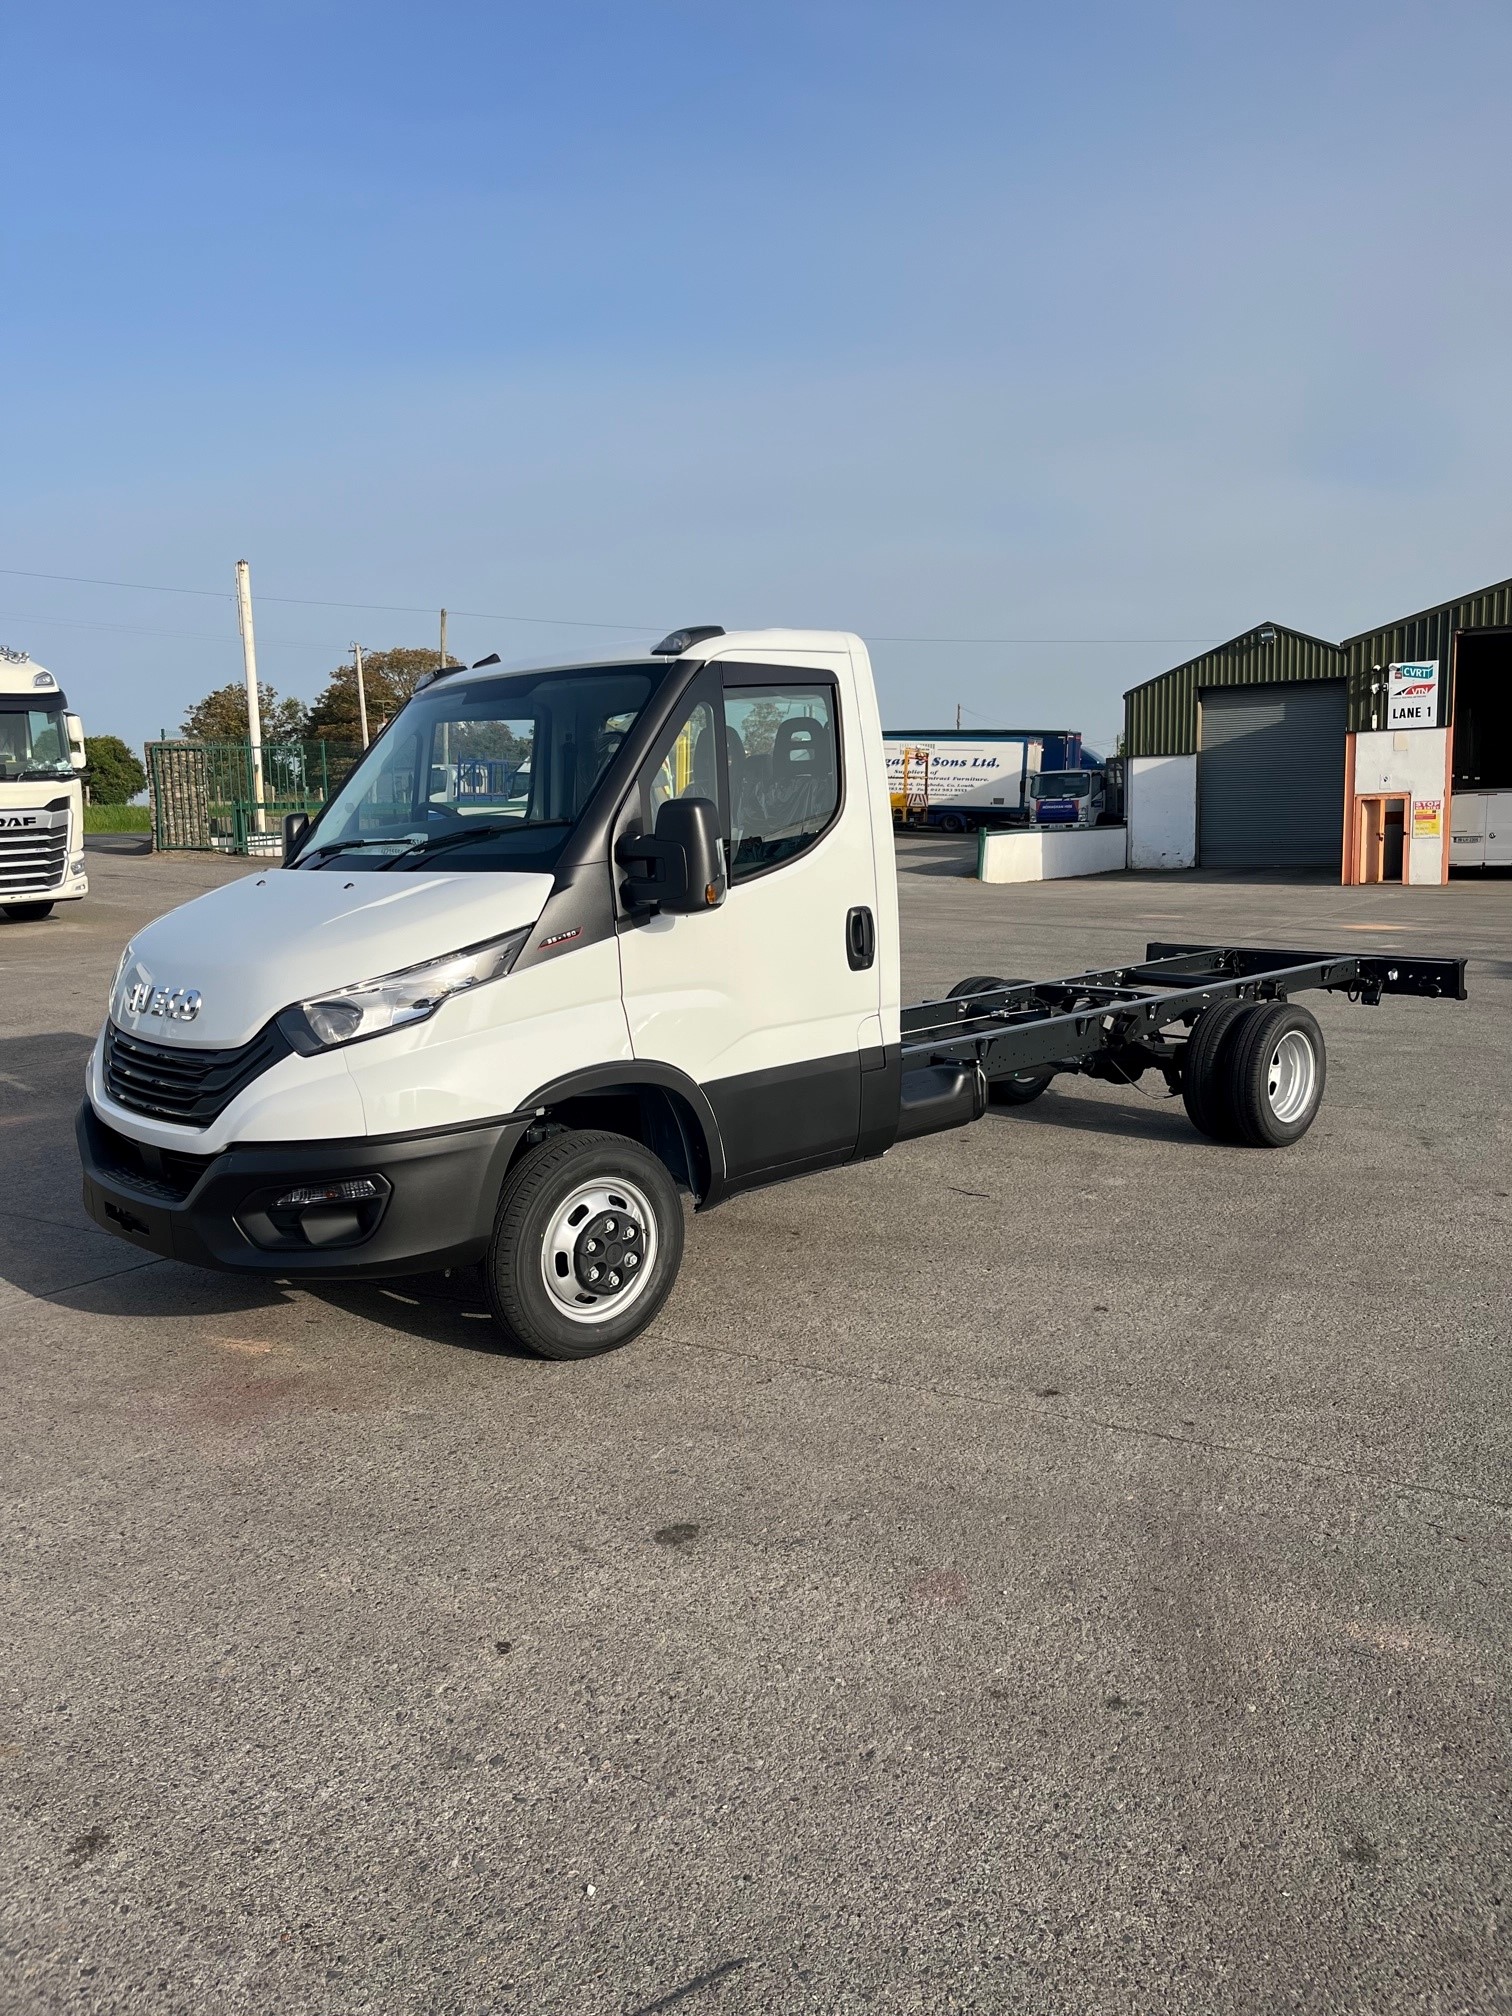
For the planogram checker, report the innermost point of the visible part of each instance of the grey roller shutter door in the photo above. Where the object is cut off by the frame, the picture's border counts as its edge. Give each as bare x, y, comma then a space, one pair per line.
1270, 775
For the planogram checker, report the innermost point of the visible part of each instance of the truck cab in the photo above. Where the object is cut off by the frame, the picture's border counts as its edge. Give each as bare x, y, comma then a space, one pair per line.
41, 797
1067, 797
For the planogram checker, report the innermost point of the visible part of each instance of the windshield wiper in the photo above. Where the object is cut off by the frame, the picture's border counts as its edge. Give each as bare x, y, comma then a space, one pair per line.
364, 840
490, 831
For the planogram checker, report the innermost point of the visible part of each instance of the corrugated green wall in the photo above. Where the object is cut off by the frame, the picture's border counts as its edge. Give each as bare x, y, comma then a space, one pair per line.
1429, 634
1160, 717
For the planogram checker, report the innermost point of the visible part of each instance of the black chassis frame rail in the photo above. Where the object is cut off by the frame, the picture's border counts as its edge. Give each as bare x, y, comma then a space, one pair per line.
1112, 1023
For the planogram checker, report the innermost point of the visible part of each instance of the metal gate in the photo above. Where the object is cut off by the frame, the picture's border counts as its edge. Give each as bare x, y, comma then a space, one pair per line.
1270, 775
203, 793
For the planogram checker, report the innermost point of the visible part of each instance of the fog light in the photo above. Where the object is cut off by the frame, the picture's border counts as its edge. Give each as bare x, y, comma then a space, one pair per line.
356, 1190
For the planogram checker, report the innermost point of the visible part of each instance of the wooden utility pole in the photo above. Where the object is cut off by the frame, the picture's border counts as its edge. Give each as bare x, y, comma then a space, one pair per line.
361, 696
958, 714
442, 665
254, 710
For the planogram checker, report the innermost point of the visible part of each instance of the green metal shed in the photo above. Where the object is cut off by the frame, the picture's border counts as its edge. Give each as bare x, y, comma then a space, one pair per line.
1430, 634
1160, 717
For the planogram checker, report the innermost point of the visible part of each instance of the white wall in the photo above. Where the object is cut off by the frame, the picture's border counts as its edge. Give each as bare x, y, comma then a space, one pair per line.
1409, 760
1046, 854
1161, 807
1412, 761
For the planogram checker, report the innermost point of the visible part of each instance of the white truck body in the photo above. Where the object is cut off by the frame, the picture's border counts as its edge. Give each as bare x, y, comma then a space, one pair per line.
460, 1028
41, 798
987, 775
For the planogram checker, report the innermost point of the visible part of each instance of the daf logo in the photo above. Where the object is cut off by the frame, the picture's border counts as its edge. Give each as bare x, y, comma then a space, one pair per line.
18, 819
179, 1004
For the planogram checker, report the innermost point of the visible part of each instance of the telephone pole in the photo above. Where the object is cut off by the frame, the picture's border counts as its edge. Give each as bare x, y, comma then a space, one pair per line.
442, 666
254, 710
958, 714
361, 695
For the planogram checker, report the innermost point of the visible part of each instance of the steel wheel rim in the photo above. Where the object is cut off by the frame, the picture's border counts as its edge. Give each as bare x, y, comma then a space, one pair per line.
1291, 1076
562, 1261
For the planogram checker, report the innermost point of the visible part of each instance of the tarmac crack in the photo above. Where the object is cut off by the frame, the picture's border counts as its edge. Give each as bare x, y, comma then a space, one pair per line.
1137, 1430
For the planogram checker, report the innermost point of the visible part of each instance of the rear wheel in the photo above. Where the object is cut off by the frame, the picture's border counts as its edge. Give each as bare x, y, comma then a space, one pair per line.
1205, 1086
1277, 1067
586, 1244
27, 913
1022, 1088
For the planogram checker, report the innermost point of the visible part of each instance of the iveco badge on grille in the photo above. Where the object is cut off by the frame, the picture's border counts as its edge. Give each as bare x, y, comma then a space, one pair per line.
179, 1004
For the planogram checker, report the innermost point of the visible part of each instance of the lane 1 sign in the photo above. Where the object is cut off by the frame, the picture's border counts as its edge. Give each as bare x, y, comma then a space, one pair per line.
1412, 695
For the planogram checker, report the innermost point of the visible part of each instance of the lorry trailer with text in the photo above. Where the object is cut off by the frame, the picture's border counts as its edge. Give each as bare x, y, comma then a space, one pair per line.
516, 1028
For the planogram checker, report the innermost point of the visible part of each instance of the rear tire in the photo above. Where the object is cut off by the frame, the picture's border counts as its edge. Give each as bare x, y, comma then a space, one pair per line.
1024, 1087
587, 1241
1205, 1087
27, 913
1277, 1067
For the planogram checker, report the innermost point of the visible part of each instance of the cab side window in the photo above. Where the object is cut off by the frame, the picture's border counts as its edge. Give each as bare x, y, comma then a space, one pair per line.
784, 759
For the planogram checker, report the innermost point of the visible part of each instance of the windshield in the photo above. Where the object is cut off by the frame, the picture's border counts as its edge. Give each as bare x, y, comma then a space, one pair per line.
1066, 784
496, 769
33, 740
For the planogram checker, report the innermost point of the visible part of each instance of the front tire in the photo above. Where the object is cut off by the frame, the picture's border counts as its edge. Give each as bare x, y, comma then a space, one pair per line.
587, 1241
27, 913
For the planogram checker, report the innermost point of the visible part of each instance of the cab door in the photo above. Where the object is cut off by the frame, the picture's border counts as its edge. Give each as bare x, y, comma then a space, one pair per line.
770, 1000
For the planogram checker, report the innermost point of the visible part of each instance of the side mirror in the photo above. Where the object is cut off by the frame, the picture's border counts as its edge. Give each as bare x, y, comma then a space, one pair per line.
295, 827
683, 869
76, 755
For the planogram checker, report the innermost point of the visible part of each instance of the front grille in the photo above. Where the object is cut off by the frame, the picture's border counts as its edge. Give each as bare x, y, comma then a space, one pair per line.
32, 858
160, 1172
189, 1087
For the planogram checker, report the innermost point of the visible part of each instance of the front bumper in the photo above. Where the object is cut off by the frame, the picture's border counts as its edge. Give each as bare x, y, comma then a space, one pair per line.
214, 1211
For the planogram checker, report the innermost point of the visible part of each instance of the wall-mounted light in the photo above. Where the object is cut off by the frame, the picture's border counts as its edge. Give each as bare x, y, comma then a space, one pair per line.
1267, 635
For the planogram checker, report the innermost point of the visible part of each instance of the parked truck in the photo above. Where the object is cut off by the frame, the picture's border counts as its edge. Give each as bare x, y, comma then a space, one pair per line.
41, 796
961, 781
450, 1031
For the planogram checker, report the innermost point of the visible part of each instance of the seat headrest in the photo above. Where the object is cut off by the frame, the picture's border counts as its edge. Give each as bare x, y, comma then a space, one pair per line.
801, 744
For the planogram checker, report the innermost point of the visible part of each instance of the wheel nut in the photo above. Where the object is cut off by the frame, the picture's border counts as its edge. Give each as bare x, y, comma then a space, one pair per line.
608, 1228
632, 1260
613, 1281
594, 1272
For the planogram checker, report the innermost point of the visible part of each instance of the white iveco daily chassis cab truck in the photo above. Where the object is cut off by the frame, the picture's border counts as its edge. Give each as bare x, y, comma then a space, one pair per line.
569, 943
41, 798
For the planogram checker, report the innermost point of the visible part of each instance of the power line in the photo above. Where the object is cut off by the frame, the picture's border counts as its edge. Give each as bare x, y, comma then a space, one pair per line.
502, 616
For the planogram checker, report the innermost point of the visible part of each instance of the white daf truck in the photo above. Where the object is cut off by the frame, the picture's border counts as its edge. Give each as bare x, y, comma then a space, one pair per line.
475, 1021
41, 797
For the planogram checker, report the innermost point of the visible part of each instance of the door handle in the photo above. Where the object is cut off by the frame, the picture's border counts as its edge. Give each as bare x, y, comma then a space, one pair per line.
860, 938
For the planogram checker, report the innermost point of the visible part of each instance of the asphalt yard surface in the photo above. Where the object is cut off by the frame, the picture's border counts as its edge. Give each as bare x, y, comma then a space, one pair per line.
1060, 1568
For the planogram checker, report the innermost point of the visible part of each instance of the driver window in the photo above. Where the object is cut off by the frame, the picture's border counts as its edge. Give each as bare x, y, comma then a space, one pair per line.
784, 773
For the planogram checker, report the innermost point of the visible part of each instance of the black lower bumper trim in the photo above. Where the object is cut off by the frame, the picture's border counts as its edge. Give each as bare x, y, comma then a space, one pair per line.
439, 1211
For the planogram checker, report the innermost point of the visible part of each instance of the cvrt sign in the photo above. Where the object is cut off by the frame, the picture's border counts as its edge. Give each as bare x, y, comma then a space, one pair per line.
1412, 695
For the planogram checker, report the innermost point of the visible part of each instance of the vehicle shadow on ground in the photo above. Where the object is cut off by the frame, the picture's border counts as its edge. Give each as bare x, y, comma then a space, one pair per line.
437, 1308
1158, 1119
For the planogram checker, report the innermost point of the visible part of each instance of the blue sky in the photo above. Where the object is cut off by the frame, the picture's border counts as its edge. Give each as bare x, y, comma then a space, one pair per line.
1011, 322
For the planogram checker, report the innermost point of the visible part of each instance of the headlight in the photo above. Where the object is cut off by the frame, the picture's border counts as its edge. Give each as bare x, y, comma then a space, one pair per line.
350, 1014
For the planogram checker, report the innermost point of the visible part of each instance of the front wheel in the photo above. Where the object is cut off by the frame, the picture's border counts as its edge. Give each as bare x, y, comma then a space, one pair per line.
586, 1244
27, 913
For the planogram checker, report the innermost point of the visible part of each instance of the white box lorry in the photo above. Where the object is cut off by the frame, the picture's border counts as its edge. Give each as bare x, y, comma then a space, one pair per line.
41, 797
517, 1028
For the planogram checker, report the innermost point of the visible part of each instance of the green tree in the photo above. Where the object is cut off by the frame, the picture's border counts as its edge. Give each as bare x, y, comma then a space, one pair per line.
113, 774
222, 715
388, 679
